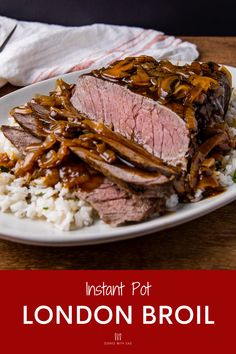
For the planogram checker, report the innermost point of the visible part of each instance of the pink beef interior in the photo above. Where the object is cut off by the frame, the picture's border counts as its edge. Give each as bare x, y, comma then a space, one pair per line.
116, 206
158, 129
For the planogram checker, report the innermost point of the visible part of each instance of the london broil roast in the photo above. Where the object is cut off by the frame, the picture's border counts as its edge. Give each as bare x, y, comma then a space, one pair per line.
128, 138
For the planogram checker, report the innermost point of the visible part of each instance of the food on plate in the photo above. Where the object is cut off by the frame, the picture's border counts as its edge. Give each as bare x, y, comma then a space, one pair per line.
125, 143
160, 106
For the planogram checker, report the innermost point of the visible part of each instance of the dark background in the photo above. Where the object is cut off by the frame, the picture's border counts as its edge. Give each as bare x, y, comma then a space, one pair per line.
186, 17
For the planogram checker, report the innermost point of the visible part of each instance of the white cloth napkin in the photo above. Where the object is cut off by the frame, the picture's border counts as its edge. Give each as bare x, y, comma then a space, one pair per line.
38, 51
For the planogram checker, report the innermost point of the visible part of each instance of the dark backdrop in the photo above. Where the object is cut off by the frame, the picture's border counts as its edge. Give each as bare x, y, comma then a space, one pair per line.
186, 17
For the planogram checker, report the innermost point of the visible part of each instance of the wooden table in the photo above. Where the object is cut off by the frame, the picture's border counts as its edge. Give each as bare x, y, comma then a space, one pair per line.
206, 243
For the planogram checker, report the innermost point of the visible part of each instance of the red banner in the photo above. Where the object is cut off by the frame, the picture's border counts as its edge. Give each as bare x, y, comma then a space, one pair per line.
117, 311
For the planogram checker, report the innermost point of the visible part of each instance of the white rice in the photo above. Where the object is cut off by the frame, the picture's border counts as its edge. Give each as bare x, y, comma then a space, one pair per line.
62, 208
172, 202
229, 162
55, 205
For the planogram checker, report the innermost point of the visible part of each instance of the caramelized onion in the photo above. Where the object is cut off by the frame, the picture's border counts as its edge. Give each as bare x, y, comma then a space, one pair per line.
141, 78
47, 144
51, 177
21, 110
202, 153
6, 162
26, 165
119, 70
206, 182
53, 158
190, 118
74, 174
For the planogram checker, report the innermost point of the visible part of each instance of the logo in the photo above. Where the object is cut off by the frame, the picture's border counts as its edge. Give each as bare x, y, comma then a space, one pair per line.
118, 340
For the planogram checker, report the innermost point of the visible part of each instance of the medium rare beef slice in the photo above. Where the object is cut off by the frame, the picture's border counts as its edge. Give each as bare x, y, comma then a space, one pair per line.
151, 184
34, 124
20, 138
116, 206
161, 106
158, 129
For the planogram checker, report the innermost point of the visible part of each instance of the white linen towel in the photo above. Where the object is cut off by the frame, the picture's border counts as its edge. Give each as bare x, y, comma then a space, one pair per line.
38, 51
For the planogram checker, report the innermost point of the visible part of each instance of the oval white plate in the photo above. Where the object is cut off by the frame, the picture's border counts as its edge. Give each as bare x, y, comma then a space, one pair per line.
42, 233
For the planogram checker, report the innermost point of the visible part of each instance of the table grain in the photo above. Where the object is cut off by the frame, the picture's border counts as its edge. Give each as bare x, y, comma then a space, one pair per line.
206, 243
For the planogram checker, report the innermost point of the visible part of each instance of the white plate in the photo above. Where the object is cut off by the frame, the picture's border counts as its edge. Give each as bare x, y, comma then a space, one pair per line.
42, 233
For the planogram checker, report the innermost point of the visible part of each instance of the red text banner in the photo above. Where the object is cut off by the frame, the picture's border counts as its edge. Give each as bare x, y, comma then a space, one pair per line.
117, 312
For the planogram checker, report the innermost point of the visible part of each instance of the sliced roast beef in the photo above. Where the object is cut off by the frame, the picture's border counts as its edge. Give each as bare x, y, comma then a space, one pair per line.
129, 150
20, 138
120, 179
117, 206
114, 204
148, 183
33, 123
158, 129
142, 128
42, 111
160, 106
